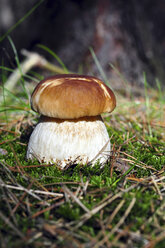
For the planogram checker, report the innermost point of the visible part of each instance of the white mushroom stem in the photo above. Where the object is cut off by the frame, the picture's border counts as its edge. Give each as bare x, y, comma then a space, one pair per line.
69, 141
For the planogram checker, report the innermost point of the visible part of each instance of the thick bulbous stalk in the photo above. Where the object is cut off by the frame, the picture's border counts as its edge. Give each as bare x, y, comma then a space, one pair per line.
63, 142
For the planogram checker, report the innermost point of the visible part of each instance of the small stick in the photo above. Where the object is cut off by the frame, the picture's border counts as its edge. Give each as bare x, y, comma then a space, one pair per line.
31, 191
43, 63
32, 60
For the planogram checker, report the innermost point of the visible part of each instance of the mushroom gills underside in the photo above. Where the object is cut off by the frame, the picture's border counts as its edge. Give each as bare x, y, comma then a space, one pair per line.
65, 142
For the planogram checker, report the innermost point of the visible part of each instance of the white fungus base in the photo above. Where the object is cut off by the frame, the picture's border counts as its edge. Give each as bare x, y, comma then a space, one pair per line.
65, 142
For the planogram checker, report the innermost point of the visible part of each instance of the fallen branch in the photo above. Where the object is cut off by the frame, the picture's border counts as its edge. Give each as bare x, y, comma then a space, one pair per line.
32, 60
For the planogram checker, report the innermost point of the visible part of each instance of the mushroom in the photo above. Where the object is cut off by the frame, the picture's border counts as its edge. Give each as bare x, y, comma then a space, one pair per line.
70, 129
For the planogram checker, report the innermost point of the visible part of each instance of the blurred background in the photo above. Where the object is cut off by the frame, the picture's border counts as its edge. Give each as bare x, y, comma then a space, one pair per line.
129, 34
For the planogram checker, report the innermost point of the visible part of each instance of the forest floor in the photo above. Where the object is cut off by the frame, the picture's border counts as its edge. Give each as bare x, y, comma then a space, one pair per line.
119, 205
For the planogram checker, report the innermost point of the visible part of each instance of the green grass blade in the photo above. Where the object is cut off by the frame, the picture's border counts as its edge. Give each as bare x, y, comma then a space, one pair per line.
161, 98
6, 68
24, 75
160, 90
19, 67
18, 99
123, 79
3, 93
54, 55
147, 103
99, 66
119, 74
21, 20
38, 77
126, 173
16, 56
14, 109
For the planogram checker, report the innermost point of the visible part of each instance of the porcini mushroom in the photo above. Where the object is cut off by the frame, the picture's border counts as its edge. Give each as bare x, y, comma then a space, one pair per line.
70, 128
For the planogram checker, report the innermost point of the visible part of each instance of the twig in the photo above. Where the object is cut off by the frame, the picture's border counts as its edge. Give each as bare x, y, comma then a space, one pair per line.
42, 62
32, 60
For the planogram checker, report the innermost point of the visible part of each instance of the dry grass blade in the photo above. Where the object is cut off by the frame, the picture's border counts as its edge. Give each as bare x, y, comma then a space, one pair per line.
9, 193
138, 163
57, 204
6, 169
131, 236
153, 243
61, 234
21, 188
112, 216
157, 188
85, 186
31, 191
95, 210
101, 151
6, 141
21, 199
106, 238
110, 219
73, 196
5, 195
19, 166
109, 199
31, 166
158, 212
8, 223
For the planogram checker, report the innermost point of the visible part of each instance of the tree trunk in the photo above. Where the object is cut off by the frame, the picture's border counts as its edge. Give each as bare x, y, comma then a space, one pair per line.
128, 34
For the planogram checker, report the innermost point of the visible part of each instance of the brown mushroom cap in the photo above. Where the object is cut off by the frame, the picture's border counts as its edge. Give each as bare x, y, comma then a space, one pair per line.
72, 96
